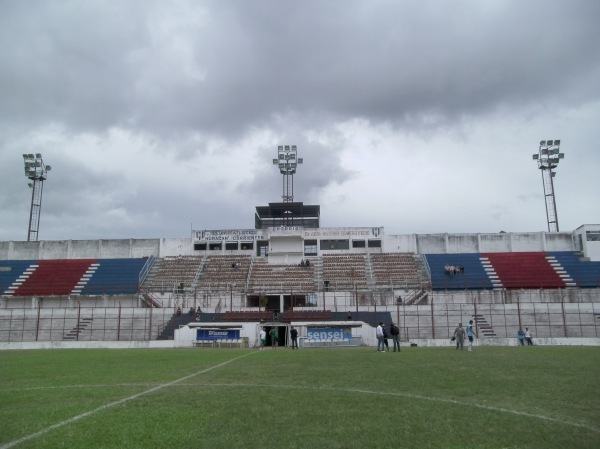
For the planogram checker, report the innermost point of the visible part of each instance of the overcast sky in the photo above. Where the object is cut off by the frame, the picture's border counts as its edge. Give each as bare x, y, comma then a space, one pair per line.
419, 116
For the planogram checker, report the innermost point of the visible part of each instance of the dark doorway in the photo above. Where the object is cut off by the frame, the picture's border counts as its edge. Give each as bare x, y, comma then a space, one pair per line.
281, 335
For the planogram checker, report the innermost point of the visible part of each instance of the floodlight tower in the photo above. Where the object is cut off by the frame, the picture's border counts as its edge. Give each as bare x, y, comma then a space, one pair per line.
288, 161
547, 159
37, 172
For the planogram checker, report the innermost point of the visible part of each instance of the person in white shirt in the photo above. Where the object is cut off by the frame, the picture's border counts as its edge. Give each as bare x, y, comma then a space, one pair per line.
379, 334
263, 338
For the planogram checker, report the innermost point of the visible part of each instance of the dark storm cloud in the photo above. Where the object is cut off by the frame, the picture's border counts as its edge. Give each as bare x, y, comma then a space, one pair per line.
156, 114
96, 65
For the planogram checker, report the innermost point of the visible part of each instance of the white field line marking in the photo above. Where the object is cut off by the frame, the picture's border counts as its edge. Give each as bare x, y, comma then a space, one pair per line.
113, 404
177, 383
412, 396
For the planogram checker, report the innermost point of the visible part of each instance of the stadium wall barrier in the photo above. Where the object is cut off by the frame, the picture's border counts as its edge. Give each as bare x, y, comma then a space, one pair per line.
165, 344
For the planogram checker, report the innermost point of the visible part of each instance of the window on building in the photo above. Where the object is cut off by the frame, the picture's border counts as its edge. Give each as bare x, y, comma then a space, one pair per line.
214, 246
199, 246
334, 245
231, 246
374, 243
592, 236
310, 247
358, 244
246, 245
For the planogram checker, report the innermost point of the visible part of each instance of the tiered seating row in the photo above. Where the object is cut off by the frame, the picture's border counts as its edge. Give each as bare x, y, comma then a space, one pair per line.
474, 275
583, 274
71, 277
307, 315
248, 316
114, 276
51, 277
267, 277
10, 270
345, 271
527, 270
395, 268
524, 270
221, 271
173, 273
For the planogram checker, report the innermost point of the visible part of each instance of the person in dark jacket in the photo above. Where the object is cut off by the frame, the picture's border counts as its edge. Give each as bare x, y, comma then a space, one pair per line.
294, 337
395, 332
385, 338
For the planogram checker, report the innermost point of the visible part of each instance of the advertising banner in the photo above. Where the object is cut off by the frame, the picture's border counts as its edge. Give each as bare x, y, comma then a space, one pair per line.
217, 334
325, 333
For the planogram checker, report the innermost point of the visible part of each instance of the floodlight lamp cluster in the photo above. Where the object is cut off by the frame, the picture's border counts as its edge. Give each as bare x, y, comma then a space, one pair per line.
35, 169
549, 155
287, 159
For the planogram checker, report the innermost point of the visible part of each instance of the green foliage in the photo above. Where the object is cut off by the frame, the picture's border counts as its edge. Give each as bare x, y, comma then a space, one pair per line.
313, 398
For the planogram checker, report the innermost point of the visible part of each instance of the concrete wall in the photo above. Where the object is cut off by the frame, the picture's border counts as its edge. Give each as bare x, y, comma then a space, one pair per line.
79, 249
495, 243
419, 243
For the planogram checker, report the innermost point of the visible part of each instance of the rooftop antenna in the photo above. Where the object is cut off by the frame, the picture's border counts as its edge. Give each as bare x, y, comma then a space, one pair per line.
37, 172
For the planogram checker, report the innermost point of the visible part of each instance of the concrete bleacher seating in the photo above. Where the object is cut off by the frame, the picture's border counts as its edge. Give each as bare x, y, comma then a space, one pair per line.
473, 277
50, 277
268, 277
218, 272
250, 315
306, 315
515, 270
584, 274
10, 271
113, 276
395, 269
524, 270
345, 271
70, 277
173, 273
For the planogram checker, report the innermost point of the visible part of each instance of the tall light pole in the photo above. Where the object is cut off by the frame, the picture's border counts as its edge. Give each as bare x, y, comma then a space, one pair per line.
547, 159
288, 161
37, 172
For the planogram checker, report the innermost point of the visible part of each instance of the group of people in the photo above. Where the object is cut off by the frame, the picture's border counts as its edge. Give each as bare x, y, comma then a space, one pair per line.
192, 312
382, 337
304, 263
459, 336
236, 265
453, 269
274, 334
524, 336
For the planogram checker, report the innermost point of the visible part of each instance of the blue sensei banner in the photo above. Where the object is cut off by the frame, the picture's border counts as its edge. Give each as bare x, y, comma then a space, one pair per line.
217, 334
325, 333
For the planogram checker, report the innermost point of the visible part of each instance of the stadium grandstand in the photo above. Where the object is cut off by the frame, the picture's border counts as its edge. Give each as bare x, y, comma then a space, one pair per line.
222, 286
312, 277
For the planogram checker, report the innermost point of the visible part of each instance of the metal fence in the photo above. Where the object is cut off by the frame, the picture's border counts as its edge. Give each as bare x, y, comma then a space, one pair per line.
82, 324
434, 320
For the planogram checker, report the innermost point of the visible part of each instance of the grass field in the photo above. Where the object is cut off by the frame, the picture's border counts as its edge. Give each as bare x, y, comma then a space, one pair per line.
493, 397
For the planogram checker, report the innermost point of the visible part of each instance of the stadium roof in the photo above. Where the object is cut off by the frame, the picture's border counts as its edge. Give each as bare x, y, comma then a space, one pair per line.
287, 214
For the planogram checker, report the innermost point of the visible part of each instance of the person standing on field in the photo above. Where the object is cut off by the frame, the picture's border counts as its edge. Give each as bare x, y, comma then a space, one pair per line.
274, 338
459, 334
263, 338
395, 331
294, 336
521, 337
470, 335
385, 338
379, 335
